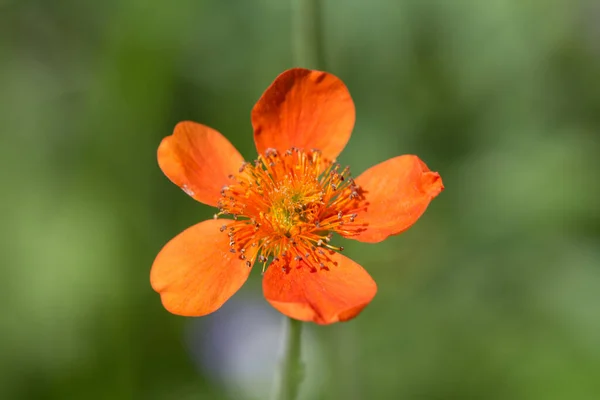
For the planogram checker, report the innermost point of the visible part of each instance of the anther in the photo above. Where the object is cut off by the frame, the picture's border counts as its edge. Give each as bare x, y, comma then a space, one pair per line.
271, 152
232, 251
248, 264
222, 228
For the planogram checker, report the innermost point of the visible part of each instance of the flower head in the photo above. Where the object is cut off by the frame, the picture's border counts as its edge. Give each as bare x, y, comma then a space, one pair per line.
281, 210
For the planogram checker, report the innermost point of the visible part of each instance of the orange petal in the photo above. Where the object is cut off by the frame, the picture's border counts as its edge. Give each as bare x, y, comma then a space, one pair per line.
397, 192
195, 273
335, 293
199, 160
305, 109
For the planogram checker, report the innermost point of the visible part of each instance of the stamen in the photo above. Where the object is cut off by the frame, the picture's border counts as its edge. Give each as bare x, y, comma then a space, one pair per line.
287, 207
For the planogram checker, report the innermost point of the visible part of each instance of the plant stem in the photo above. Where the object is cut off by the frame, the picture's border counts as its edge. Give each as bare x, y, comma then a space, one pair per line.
307, 47
307, 37
292, 371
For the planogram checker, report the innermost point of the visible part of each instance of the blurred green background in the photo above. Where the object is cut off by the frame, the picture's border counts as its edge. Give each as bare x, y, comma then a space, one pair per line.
493, 294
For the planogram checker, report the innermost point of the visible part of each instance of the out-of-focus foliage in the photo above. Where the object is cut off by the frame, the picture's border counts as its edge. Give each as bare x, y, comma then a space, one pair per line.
493, 294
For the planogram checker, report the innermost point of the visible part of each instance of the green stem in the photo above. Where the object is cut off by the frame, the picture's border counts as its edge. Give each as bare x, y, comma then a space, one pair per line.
308, 53
292, 371
307, 35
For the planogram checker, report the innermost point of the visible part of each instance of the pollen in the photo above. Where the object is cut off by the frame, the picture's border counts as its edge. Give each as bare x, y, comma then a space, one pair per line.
286, 206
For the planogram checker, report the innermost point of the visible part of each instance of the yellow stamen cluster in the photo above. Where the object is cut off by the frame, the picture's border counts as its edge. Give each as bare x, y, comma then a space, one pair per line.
287, 206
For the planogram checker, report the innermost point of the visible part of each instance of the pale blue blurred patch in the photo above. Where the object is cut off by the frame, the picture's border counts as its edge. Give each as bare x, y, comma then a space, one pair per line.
241, 346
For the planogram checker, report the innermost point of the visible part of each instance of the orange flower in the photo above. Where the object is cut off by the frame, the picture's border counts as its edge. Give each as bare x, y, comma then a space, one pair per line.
285, 206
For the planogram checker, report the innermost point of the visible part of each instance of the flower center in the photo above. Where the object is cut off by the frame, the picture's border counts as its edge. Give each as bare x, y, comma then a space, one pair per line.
288, 205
